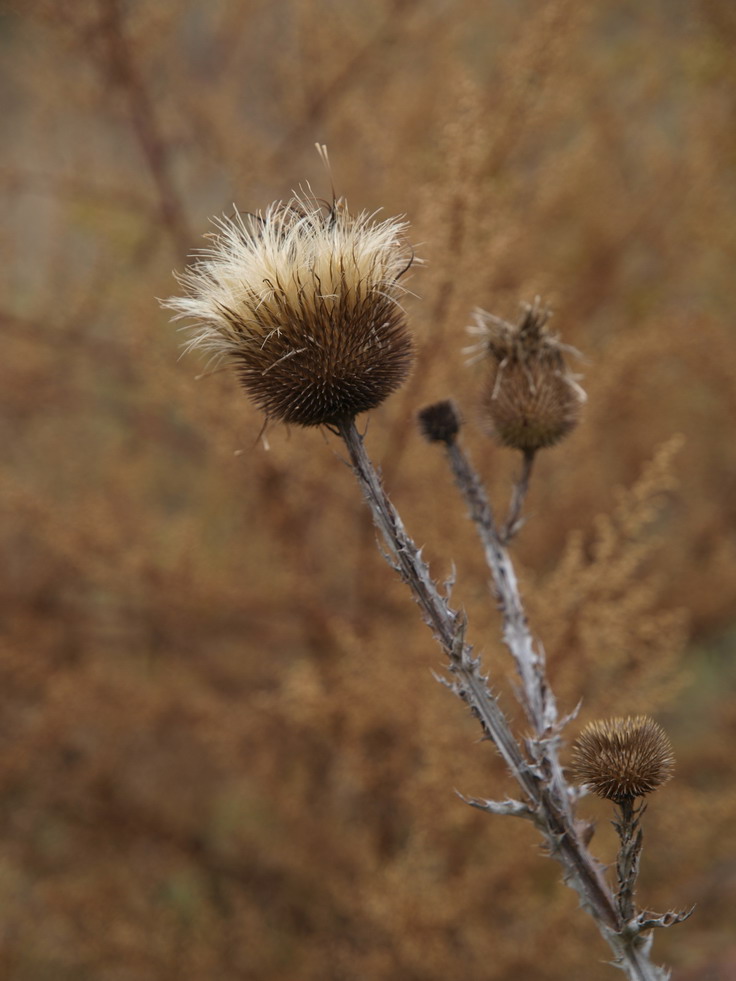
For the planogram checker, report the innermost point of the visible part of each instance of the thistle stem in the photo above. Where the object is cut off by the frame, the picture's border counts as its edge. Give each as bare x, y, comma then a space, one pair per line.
630, 834
541, 780
536, 695
514, 520
448, 625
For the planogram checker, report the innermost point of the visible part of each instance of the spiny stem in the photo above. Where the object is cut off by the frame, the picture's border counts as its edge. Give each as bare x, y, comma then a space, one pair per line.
538, 702
543, 790
542, 780
448, 625
627, 865
632, 950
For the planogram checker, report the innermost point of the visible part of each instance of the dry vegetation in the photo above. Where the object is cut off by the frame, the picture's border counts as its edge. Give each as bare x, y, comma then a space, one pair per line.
222, 752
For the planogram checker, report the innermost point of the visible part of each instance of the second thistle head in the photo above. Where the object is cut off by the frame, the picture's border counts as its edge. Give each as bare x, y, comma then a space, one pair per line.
531, 399
303, 301
623, 758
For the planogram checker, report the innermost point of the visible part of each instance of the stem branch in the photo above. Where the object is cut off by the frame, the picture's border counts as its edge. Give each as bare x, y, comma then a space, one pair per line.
537, 698
541, 778
551, 807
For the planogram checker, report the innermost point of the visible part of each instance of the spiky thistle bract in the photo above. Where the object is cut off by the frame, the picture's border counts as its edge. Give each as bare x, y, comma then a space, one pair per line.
531, 400
623, 758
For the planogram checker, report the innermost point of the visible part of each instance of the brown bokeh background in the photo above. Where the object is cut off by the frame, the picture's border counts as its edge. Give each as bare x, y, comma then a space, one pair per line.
222, 750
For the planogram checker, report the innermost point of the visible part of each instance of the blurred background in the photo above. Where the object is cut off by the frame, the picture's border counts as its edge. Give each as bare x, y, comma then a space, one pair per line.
222, 750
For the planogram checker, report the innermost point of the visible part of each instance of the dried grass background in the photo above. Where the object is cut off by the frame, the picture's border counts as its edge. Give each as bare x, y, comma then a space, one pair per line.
222, 752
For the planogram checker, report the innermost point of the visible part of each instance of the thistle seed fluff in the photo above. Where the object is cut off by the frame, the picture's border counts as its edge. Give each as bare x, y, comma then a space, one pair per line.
304, 302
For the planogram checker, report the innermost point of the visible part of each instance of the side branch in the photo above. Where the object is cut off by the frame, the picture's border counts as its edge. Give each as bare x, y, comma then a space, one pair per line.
538, 700
623, 934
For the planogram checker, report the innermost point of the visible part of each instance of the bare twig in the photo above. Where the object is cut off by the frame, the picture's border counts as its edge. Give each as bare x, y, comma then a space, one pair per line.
124, 72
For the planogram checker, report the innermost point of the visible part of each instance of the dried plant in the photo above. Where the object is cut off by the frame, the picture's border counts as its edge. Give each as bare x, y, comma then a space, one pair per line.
621, 760
304, 303
532, 400
198, 641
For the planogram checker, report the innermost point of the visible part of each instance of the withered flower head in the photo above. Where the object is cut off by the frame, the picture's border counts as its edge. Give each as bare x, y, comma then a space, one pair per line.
623, 758
439, 422
531, 400
303, 301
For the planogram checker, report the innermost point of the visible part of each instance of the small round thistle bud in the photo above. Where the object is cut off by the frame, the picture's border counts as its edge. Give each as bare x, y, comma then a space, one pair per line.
439, 422
532, 400
304, 302
623, 758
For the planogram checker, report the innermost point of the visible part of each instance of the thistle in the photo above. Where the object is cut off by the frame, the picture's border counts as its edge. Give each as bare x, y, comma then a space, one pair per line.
303, 301
623, 758
531, 400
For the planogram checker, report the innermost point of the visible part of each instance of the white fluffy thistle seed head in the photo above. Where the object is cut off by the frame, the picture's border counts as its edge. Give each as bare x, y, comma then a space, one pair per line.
303, 300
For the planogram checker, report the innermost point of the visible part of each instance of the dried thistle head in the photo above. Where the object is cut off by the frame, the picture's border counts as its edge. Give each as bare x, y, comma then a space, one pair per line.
439, 422
303, 301
531, 399
623, 758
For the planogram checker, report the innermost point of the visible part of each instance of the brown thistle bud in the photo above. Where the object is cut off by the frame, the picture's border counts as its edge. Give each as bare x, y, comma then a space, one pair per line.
531, 400
439, 422
304, 302
623, 758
